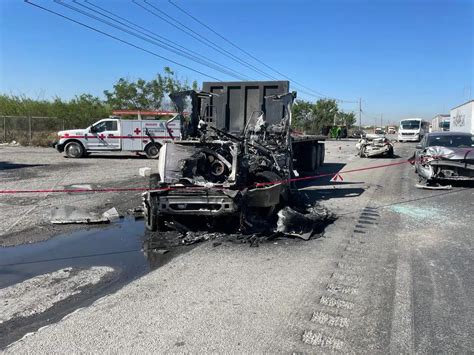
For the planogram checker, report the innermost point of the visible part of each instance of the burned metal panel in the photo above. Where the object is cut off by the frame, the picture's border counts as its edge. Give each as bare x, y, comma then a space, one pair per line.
215, 106
234, 118
252, 102
274, 110
239, 100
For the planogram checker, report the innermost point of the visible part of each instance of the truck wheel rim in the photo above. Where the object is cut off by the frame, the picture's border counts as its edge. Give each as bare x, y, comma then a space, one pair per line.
153, 151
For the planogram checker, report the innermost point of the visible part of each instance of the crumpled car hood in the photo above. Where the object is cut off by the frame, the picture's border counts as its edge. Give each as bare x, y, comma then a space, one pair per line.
450, 153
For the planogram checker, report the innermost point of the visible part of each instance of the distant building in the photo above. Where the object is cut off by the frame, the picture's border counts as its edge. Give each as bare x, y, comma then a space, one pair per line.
440, 123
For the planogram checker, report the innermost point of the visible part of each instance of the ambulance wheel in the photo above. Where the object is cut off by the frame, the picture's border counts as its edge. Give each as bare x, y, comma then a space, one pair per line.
152, 151
74, 150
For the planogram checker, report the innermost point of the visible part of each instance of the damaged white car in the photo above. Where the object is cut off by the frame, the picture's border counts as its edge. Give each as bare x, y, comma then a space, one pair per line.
445, 156
374, 145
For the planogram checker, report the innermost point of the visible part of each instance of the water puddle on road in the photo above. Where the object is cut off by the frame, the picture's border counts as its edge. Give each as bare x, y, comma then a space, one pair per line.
29, 274
119, 246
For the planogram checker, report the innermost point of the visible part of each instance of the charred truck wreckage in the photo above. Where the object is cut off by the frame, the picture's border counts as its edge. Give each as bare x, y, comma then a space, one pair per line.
240, 178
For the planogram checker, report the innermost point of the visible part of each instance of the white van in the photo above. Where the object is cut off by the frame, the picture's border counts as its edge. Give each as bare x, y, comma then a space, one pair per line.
114, 134
412, 129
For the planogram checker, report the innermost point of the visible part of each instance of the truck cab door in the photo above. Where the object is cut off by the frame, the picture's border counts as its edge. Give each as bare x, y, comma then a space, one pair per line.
106, 135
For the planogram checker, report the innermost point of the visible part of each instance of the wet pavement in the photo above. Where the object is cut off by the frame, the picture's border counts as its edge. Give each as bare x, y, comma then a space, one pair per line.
118, 246
123, 246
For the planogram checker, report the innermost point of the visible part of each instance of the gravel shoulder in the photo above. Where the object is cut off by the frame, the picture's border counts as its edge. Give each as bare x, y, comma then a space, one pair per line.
25, 217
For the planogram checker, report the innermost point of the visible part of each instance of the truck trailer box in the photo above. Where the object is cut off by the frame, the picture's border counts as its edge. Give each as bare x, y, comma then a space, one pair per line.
234, 103
462, 118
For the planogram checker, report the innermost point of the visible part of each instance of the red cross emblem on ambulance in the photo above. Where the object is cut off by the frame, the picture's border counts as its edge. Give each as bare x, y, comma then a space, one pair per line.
137, 131
101, 136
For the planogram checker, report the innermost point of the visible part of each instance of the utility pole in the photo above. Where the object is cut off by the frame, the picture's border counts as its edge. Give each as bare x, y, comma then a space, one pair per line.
360, 113
381, 120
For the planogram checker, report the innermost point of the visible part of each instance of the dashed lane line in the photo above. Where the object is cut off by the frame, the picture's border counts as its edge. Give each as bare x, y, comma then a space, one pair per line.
324, 318
326, 341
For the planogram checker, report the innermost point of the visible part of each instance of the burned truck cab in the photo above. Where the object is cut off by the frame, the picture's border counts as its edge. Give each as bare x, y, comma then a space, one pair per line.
212, 173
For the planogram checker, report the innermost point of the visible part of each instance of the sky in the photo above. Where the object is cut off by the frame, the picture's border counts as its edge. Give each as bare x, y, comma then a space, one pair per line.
402, 58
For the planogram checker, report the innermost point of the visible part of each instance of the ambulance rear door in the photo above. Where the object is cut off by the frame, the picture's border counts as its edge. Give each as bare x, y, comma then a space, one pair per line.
132, 135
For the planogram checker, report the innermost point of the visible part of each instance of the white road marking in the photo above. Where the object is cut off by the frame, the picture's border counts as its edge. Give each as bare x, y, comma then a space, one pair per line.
331, 320
336, 302
325, 341
401, 341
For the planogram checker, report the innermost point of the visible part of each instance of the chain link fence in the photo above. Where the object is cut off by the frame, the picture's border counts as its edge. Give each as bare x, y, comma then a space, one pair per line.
33, 130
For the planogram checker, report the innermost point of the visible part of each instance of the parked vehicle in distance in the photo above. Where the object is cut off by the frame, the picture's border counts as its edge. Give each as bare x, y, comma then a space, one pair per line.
357, 133
445, 156
440, 123
462, 119
412, 129
392, 130
374, 145
114, 134
379, 131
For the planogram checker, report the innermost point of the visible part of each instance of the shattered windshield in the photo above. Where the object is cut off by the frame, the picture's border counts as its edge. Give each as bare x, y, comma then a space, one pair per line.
410, 124
455, 141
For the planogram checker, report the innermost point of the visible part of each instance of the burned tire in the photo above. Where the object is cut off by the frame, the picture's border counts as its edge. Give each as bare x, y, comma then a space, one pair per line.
390, 153
152, 151
322, 153
314, 158
151, 216
150, 212
263, 212
154, 221
74, 150
310, 158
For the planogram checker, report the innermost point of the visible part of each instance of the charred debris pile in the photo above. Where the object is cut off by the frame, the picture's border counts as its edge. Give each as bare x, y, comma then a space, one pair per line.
299, 220
216, 184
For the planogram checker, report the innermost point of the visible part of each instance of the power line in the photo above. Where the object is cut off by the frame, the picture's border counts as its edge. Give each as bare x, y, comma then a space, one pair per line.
317, 93
139, 36
163, 44
240, 48
166, 42
115, 37
197, 36
190, 32
120, 40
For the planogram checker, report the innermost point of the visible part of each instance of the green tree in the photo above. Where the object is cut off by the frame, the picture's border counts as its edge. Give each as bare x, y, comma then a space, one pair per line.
302, 112
145, 95
312, 118
346, 119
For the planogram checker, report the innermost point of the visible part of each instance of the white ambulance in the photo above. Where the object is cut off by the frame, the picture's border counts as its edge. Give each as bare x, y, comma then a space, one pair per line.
114, 134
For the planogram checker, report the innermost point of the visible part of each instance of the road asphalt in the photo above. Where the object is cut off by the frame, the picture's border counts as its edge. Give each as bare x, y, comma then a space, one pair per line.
393, 274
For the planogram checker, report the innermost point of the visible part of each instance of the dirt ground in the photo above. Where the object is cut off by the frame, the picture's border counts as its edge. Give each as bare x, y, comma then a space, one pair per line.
26, 216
